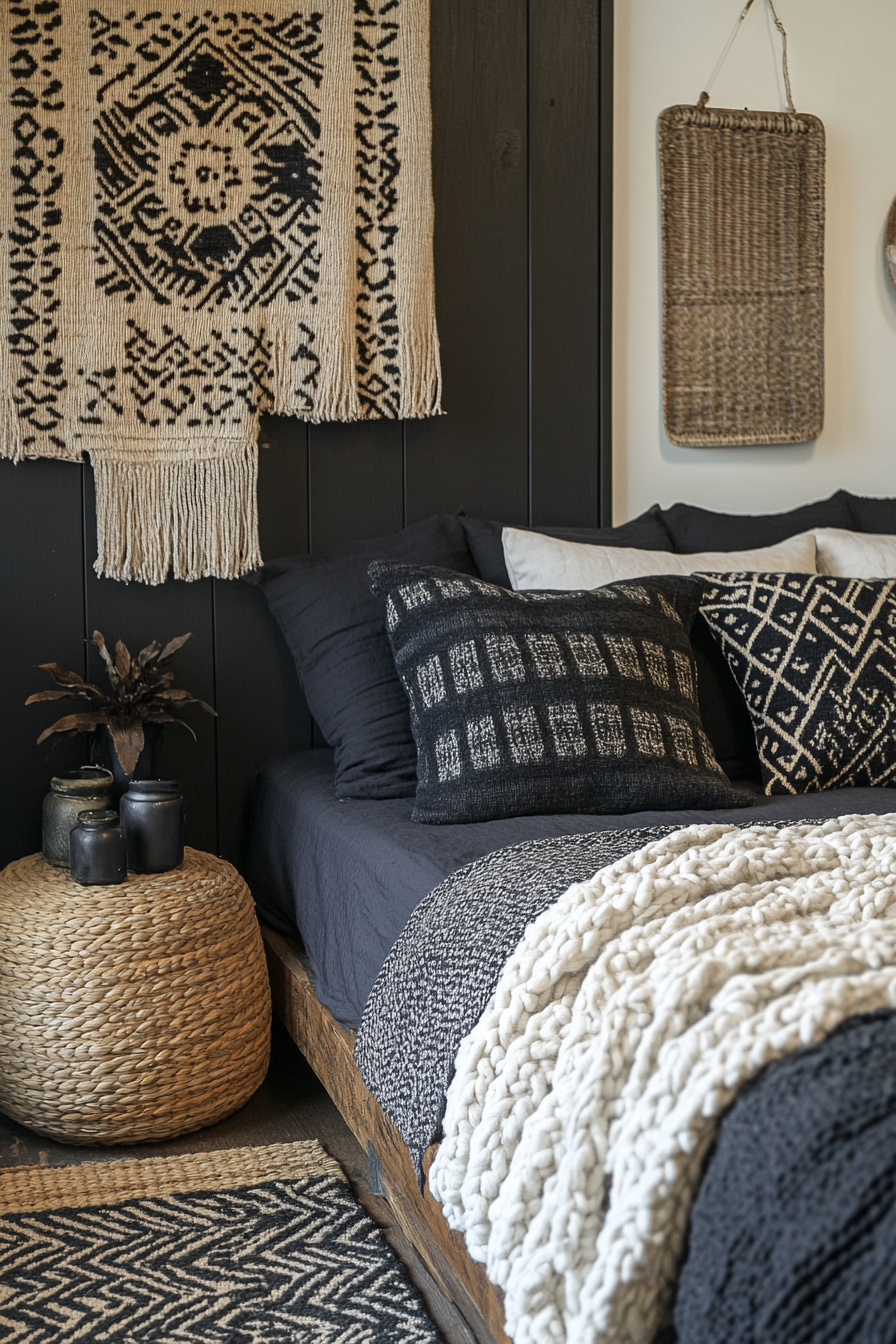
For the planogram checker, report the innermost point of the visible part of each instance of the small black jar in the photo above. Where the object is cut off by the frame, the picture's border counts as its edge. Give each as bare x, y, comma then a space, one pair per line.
97, 850
152, 817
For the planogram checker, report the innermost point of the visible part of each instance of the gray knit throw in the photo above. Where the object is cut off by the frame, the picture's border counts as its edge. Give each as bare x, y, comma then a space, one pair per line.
793, 1232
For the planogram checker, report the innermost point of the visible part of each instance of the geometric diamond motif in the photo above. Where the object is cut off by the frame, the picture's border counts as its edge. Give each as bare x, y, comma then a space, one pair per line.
816, 660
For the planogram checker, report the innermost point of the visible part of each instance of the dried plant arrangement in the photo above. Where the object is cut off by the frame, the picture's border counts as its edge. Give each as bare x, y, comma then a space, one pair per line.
141, 693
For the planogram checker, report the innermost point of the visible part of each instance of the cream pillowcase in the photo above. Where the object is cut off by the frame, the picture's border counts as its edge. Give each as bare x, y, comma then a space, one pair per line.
854, 555
536, 561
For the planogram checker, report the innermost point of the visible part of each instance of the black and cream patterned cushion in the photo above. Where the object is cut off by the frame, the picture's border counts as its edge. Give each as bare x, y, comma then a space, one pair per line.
527, 703
816, 660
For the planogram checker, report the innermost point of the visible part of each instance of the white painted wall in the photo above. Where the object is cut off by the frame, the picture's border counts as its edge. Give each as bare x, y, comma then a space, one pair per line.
842, 57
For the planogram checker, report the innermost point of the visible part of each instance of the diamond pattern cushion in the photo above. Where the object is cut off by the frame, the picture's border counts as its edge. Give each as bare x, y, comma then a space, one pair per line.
816, 661
526, 703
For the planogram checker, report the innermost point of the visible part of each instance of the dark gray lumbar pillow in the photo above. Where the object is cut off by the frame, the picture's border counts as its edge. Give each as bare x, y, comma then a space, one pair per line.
646, 533
872, 515
814, 656
334, 628
526, 703
694, 529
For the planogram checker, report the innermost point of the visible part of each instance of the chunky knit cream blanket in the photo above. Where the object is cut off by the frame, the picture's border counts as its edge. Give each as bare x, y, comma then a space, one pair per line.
585, 1101
208, 212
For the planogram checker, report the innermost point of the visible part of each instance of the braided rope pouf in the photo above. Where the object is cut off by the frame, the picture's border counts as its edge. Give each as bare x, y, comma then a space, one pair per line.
131, 1012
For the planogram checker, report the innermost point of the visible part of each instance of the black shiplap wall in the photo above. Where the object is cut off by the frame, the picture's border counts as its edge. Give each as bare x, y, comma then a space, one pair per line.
522, 107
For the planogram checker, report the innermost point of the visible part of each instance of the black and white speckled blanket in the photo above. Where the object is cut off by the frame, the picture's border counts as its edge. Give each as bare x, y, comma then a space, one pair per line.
437, 980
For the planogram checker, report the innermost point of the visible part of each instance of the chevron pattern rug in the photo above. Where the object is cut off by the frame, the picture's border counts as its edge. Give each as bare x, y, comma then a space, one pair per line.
248, 1246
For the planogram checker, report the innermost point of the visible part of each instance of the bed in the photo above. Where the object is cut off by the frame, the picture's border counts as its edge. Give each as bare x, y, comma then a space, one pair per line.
384, 902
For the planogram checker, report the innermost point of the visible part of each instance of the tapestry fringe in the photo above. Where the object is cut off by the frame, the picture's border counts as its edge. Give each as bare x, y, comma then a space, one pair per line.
337, 399
11, 443
194, 518
421, 372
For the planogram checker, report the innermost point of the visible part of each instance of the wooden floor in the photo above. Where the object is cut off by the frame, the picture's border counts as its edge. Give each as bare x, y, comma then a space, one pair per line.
290, 1105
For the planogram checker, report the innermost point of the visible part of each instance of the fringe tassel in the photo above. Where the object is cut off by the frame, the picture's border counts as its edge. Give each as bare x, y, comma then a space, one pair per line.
421, 372
193, 517
11, 443
335, 396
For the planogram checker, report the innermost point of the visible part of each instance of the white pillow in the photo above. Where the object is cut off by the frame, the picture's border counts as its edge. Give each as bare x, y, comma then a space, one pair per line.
536, 561
855, 555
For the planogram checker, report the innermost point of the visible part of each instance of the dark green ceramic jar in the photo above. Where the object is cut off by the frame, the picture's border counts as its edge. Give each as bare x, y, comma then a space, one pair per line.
71, 793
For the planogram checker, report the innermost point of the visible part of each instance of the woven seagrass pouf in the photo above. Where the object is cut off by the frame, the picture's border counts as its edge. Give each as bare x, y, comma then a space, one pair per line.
132, 1012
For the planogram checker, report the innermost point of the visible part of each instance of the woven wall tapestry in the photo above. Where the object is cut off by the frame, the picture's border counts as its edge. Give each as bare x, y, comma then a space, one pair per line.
742, 199
208, 212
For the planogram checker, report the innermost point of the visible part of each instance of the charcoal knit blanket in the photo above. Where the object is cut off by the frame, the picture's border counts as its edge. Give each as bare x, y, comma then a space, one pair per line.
632, 1011
793, 1232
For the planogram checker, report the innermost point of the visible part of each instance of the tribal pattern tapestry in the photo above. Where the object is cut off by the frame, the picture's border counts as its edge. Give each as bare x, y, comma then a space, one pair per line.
208, 213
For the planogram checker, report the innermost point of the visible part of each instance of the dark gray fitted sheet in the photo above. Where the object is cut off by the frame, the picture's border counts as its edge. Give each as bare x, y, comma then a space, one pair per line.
349, 873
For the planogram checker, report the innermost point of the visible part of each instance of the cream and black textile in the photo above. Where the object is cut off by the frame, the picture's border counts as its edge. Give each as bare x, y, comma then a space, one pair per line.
815, 658
437, 980
197, 1256
208, 212
525, 703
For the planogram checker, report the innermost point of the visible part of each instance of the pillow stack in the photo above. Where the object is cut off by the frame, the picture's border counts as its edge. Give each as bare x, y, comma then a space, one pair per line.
794, 674
535, 561
485, 702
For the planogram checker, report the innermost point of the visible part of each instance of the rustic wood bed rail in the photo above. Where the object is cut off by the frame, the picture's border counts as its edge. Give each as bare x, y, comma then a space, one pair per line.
328, 1047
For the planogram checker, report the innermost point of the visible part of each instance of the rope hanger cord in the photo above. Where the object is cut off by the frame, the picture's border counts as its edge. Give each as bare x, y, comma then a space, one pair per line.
704, 97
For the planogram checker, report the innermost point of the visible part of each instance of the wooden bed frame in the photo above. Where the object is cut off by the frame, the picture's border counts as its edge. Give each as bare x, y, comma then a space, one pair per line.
328, 1047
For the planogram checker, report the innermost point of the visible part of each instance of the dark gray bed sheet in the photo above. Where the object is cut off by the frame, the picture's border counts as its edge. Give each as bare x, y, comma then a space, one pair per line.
349, 873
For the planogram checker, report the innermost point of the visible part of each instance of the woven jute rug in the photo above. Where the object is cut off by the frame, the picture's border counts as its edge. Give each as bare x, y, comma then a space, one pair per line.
208, 212
256, 1245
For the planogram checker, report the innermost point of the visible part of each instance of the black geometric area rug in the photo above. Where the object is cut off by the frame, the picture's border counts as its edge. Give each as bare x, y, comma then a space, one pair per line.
248, 1246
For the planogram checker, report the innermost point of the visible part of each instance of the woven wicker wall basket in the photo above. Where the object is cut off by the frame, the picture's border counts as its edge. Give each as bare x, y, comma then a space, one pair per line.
742, 202
132, 1012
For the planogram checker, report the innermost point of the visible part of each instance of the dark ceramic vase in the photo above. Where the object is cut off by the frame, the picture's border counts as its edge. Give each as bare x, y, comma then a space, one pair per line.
71, 793
98, 850
104, 753
152, 817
